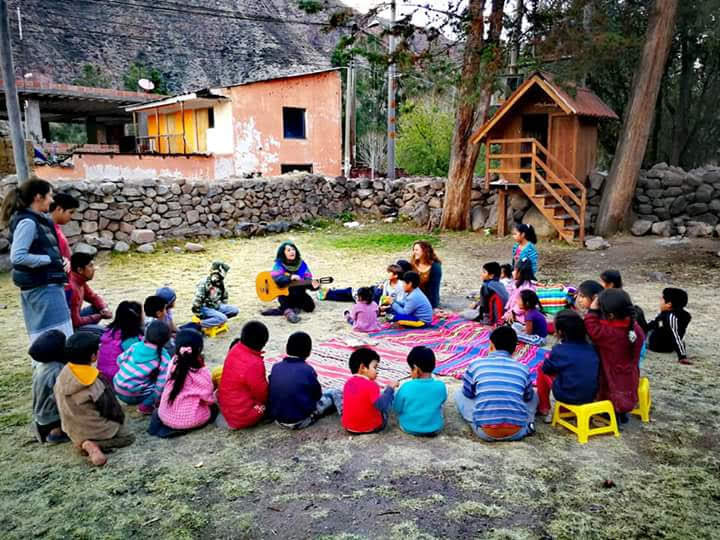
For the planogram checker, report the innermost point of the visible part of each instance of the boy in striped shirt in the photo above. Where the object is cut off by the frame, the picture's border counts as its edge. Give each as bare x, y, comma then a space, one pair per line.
497, 397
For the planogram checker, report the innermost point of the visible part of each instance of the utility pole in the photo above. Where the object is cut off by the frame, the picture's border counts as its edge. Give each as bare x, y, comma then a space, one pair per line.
349, 111
391, 98
11, 98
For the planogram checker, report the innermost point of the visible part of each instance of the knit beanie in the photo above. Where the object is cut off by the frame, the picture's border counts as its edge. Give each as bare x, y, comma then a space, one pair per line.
157, 333
299, 344
189, 337
167, 294
48, 347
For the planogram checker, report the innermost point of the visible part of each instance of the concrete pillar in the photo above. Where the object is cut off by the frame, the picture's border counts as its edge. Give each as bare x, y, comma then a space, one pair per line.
91, 130
33, 121
142, 119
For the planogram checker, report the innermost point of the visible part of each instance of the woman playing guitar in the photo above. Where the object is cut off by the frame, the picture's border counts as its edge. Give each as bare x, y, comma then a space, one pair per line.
290, 267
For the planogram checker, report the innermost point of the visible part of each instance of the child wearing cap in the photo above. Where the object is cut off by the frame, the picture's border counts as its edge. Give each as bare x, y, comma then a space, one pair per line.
419, 401
49, 351
296, 399
211, 298
89, 412
168, 294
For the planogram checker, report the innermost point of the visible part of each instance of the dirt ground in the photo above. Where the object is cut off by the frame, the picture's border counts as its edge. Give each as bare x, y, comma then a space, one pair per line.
658, 480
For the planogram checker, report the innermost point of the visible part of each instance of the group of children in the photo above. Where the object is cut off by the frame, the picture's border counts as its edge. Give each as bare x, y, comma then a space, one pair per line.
142, 358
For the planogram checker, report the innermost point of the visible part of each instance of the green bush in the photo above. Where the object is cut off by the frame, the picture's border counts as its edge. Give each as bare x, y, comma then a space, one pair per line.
423, 140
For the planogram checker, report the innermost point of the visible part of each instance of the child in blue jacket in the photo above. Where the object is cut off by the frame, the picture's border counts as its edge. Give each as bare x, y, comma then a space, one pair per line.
419, 402
415, 309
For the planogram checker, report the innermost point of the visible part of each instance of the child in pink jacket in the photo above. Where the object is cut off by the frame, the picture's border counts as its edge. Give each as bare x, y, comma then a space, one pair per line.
188, 400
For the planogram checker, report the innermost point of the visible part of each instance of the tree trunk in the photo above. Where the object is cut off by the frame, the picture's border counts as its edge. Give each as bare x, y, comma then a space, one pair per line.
473, 102
681, 122
621, 182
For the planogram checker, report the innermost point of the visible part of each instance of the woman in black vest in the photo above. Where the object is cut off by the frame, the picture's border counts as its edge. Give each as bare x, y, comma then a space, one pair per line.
38, 267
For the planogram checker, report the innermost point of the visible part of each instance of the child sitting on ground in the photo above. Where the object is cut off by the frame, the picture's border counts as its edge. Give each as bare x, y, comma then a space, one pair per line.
168, 294
611, 279
667, 331
523, 279
391, 289
89, 412
493, 296
535, 329
364, 314
419, 401
365, 409
142, 369
296, 399
497, 396
587, 291
506, 272
211, 297
188, 399
48, 350
85, 319
570, 371
243, 390
618, 339
155, 309
126, 329
414, 309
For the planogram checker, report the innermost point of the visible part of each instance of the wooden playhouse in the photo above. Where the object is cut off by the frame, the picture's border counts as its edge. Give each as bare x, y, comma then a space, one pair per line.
543, 141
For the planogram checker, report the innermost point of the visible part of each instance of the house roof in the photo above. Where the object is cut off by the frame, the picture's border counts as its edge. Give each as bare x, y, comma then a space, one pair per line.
214, 94
584, 103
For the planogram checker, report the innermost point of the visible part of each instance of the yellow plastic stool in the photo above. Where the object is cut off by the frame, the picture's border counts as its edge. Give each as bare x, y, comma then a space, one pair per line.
213, 330
583, 414
644, 400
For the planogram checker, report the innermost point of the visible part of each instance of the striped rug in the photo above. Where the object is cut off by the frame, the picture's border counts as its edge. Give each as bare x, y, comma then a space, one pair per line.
456, 343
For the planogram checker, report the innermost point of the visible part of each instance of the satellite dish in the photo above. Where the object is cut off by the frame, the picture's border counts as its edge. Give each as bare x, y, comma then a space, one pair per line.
146, 84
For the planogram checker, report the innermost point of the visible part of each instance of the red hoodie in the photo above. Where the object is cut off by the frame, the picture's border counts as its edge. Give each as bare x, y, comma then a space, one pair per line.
619, 372
243, 391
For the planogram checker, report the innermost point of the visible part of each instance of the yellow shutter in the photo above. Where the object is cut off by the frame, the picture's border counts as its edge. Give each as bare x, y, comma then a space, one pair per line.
190, 139
202, 122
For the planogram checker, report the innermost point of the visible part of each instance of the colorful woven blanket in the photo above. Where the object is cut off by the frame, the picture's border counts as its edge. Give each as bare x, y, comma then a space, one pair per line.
456, 343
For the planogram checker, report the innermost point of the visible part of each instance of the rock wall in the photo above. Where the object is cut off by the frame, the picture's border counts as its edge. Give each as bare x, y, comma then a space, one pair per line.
120, 214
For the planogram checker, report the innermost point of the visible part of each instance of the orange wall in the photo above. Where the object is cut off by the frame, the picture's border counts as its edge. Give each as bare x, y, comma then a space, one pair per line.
258, 124
102, 166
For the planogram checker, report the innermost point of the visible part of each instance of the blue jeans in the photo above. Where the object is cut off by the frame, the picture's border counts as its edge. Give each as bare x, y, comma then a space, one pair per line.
215, 317
94, 328
466, 408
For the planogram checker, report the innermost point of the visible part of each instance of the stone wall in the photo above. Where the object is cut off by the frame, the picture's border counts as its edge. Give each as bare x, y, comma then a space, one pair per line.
671, 201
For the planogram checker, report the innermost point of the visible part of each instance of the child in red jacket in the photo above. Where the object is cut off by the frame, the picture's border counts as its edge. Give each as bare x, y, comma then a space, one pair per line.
618, 339
243, 390
365, 409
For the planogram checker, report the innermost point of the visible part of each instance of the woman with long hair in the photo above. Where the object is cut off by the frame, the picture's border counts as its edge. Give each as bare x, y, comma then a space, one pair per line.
37, 266
427, 264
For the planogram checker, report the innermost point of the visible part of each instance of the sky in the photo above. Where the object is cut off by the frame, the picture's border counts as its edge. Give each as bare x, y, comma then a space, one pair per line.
421, 17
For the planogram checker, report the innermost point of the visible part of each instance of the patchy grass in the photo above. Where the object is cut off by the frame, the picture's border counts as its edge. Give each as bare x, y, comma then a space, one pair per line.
321, 483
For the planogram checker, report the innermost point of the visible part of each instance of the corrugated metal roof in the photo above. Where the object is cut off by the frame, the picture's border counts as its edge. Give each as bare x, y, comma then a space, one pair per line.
584, 103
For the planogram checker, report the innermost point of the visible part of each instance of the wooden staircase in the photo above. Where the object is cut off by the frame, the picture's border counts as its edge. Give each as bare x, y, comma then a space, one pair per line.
526, 164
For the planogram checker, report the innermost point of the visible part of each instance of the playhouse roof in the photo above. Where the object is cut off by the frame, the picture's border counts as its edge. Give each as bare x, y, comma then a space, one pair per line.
584, 103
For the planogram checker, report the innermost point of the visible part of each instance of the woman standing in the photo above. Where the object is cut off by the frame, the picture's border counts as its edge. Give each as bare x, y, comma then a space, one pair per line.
38, 267
429, 266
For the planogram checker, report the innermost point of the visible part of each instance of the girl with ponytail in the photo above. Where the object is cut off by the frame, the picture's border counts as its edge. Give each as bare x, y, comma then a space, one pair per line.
524, 247
618, 338
37, 265
188, 401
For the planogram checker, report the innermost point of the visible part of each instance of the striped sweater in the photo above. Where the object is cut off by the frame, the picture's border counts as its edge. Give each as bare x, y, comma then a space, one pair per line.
501, 387
141, 372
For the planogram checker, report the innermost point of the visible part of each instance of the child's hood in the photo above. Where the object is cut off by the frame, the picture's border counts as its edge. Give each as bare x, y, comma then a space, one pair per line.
75, 378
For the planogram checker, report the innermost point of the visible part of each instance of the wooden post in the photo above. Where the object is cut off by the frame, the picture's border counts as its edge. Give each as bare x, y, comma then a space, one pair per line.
157, 130
135, 132
502, 212
182, 122
532, 169
487, 164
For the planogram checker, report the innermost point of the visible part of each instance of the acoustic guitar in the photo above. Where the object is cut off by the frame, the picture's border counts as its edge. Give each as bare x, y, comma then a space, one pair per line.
267, 289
